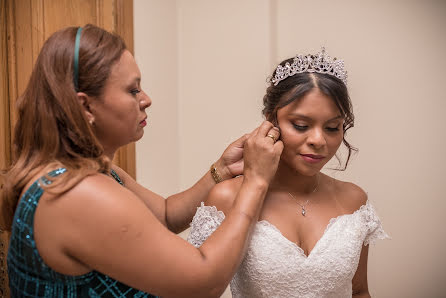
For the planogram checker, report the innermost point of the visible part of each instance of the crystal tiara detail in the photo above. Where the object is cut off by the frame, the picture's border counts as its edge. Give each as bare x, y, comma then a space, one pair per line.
320, 63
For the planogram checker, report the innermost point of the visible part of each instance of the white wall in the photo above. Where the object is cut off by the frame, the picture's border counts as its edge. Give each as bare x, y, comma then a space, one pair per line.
204, 63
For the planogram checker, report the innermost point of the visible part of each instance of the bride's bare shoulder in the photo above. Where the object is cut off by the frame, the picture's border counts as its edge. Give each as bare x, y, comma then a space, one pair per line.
351, 196
223, 194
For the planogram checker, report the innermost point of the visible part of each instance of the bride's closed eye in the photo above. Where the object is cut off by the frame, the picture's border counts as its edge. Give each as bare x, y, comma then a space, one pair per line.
332, 129
300, 127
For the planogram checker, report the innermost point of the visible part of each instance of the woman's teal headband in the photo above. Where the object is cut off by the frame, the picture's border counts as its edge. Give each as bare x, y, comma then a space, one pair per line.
76, 59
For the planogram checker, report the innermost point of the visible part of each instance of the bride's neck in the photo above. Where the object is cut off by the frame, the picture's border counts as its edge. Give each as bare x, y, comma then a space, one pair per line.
289, 180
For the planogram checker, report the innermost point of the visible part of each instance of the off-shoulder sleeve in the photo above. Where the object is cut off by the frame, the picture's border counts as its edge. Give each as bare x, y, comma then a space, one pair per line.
206, 220
373, 225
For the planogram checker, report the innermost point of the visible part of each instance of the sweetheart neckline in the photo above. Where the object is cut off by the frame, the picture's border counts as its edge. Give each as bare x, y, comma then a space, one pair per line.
331, 222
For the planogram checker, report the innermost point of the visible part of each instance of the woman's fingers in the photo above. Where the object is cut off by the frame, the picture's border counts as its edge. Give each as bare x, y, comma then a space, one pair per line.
262, 152
264, 128
273, 134
231, 162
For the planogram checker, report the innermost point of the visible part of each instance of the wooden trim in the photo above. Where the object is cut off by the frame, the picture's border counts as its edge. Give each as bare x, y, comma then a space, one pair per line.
5, 130
12, 67
124, 21
37, 29
5, 133
126, 156
104, 14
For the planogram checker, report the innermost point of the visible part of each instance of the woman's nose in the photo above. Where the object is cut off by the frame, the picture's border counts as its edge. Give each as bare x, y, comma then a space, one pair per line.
145, 101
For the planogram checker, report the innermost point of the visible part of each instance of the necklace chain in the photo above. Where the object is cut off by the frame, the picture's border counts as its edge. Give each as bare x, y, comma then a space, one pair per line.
304, 211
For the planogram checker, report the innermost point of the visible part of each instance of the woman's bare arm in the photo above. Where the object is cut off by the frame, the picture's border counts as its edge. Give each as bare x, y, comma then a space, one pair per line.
176, 212
100, 225
106, 228
360, 285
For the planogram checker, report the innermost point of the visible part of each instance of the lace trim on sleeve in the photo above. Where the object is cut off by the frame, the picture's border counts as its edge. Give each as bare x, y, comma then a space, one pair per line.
373, 224
206, 220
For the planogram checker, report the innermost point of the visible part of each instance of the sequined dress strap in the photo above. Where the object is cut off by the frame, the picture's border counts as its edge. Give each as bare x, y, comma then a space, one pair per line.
116, 177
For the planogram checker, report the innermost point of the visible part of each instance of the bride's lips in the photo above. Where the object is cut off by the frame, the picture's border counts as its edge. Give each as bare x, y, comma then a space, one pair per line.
311, 158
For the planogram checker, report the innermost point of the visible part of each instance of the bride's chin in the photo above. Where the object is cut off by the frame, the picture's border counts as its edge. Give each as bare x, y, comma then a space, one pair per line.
286, 168
307, 171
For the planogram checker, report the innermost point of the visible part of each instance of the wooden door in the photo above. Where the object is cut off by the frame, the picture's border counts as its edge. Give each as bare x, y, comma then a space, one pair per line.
24, 26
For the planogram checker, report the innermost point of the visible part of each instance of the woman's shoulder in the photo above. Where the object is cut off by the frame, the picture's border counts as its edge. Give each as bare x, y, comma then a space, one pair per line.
96, 187
100, 192
95, 198
350, 195
70, 220
223, 194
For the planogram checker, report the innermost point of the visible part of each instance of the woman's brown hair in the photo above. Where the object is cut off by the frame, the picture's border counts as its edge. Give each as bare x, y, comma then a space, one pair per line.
52, 129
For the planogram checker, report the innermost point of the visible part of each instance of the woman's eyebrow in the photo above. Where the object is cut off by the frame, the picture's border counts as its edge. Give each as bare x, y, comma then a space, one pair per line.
134, 79
128, 81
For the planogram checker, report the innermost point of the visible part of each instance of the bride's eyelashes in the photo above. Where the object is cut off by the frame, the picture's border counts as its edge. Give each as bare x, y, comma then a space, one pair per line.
332, 129
302, 128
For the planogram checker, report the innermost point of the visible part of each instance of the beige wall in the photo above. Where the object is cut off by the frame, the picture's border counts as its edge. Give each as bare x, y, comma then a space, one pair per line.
156, 52
204, 63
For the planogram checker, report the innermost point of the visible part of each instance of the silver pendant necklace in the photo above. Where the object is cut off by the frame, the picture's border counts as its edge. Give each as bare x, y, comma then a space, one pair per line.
304, 211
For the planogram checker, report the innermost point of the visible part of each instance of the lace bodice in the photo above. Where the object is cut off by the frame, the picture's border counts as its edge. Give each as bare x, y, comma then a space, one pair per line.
276, 267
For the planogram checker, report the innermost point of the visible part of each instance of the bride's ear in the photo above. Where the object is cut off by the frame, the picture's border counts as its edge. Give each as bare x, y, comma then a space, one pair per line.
272, 117
85, 102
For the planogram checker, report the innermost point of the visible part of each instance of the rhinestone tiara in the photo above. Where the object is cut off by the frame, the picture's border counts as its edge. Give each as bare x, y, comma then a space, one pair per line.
320, 63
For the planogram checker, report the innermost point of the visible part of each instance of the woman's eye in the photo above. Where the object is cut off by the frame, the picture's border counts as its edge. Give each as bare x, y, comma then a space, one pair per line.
300, 127
135, 91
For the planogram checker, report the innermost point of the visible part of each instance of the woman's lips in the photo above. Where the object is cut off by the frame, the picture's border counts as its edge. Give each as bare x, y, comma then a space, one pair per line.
143, 123
311, 158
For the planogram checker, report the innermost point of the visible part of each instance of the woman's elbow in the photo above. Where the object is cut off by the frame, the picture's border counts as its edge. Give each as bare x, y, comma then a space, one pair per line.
361, 294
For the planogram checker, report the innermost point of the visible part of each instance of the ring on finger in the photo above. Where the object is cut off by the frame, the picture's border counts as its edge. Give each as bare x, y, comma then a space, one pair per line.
272, 137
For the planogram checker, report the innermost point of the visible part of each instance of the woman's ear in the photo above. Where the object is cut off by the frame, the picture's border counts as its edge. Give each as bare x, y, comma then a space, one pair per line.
85, 102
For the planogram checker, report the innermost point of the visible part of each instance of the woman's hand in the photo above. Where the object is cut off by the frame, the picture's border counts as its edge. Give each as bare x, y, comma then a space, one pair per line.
231, 162
262, 152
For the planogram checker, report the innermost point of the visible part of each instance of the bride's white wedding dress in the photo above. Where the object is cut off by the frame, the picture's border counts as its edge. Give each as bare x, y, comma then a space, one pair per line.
276, 267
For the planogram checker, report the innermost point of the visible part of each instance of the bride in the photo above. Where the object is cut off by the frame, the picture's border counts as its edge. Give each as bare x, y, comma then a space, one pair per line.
313, 231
